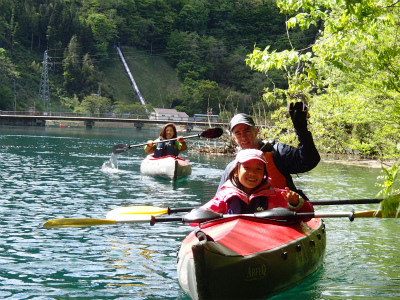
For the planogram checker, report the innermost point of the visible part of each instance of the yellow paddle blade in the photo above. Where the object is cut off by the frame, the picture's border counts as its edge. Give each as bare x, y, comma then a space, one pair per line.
136, 210
76, 222
372, 214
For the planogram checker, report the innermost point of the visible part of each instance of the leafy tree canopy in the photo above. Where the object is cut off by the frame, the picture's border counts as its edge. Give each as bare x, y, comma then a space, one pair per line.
349, 77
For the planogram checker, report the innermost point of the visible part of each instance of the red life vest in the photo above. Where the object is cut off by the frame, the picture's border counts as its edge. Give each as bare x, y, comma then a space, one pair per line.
276, 178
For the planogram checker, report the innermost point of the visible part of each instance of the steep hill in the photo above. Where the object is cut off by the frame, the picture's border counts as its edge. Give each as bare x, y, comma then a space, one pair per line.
154, 76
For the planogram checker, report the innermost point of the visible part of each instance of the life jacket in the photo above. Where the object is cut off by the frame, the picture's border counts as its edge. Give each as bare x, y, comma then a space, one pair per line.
238, 206
164, 149
231, 200
276, 178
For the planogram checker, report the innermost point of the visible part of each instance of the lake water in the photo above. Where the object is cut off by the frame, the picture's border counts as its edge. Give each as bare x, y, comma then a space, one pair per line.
52, 172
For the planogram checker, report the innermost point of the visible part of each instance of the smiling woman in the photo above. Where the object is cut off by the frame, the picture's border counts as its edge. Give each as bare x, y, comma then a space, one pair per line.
161, 148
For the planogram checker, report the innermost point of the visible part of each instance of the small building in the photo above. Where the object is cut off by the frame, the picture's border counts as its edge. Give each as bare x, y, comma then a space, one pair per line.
205, 117
168, 114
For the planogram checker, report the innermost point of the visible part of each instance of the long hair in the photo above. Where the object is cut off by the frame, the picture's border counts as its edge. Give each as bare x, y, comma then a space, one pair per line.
163, 133
235, 179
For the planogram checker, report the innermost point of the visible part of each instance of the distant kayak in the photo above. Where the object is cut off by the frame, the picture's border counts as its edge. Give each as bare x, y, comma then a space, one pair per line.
169, 167
247, 257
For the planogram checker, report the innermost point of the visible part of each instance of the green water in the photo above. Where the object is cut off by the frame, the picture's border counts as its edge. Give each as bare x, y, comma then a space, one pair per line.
56, 172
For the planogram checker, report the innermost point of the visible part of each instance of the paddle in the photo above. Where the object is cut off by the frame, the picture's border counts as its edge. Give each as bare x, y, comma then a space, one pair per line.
208, 134
280, 213
350, 201
199, 215
144, 210
129, 214
153, 210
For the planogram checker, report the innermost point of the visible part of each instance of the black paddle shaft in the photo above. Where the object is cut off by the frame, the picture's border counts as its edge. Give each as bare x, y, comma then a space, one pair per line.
197, 216
208, 134
350, 201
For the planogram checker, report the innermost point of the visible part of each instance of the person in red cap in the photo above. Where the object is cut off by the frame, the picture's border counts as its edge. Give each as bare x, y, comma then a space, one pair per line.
248, 189
283, 160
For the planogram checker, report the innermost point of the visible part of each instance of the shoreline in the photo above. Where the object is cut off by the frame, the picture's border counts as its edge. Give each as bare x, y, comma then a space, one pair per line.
112, 125
369, 163
328, 158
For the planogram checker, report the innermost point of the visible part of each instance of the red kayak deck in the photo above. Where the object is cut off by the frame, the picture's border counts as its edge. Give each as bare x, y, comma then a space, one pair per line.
247, 258
265, 235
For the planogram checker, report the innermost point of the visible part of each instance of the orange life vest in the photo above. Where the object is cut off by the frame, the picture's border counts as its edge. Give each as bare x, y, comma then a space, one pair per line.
276, 178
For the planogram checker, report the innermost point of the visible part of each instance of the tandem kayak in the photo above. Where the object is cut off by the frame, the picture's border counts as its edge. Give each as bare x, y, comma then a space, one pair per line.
247, 257
169, 167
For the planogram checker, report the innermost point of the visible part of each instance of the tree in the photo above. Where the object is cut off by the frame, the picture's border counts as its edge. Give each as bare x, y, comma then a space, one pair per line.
348, 77
133, 108
6, 98
201, 96
70, 103
104, 30
194, 16
72, 67
94, 104
7, 68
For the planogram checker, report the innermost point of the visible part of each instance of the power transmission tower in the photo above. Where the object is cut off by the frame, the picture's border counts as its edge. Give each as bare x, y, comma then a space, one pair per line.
44, 90
15, 98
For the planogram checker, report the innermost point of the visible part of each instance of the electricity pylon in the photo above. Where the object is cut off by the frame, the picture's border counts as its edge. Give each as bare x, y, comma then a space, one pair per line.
44, 90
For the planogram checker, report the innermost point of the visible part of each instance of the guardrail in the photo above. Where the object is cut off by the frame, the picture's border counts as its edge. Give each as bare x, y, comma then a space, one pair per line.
72, 114
104, 115
30, 118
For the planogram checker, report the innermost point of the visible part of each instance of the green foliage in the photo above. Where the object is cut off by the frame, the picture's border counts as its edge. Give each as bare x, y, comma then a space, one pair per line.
69, 103
390, 179
204, 41
390, 186
94, 104
390, 206
80, 76
189, 52
200, 96
104, 30
156, 78
349, 80
339, 57
281, 128
6, 98
7, 68
133, 108
194, 16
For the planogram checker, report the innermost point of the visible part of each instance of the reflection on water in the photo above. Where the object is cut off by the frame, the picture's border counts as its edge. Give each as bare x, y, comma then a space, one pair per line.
69, 172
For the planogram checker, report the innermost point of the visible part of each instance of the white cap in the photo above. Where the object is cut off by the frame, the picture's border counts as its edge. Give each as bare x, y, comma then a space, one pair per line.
250, 154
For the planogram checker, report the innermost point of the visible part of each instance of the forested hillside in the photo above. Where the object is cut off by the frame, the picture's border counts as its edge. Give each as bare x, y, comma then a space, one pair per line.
204, 42
340, 58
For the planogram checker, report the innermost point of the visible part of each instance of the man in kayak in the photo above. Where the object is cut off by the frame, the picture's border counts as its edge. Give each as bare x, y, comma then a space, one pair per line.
160, 148
248, 190
283, 160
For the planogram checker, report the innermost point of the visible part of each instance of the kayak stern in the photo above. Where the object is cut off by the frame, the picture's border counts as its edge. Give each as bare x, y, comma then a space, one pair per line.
216, 269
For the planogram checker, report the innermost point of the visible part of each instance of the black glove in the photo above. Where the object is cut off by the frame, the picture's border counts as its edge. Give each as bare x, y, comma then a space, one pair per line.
298, 114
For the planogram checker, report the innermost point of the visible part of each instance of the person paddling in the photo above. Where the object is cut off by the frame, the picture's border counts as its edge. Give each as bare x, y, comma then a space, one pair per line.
248, 189
160, 148
283, 160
